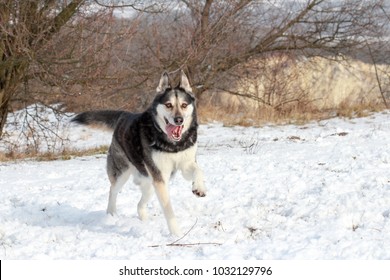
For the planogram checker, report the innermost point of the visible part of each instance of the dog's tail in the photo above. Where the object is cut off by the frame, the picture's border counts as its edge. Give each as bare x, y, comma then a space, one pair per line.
103, 118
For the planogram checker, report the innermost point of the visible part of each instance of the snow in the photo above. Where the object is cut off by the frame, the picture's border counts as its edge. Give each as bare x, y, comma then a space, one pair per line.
316, 191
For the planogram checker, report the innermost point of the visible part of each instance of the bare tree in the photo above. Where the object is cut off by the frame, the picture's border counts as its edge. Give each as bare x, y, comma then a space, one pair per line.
26, 26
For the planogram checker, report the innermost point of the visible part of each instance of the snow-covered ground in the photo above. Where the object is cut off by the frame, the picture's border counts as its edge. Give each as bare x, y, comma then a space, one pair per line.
318, 191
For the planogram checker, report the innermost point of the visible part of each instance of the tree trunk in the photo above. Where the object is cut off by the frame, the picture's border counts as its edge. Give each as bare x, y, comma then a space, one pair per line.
3, 114
11, 73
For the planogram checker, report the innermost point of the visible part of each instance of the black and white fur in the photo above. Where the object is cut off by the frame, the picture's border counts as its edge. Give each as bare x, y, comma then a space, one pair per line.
152, 145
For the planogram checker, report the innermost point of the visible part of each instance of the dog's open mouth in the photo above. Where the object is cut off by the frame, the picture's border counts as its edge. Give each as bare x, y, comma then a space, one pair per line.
173, 131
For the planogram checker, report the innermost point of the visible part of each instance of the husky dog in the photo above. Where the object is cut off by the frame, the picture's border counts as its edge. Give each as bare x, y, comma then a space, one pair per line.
152, 145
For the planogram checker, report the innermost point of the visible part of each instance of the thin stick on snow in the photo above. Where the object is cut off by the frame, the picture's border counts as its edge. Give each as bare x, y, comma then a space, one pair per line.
175, 243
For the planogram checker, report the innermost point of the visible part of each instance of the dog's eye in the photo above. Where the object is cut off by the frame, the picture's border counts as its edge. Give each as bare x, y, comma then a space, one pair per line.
168, 105
184, 105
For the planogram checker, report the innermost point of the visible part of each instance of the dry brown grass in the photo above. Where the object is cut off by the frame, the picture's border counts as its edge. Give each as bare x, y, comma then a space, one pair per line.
305, 90
354, 110
65, 154
294, 115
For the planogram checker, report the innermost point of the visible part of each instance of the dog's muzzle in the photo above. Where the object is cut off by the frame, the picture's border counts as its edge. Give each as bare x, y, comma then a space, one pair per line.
174, 131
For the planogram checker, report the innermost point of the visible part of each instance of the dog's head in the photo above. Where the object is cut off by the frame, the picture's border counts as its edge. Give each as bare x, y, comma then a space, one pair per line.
174, 107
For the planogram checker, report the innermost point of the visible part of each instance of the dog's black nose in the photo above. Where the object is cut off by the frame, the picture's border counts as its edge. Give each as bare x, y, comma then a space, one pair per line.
178, 120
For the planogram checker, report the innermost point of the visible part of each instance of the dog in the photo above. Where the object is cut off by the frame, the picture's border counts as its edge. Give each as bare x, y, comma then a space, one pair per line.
152, 146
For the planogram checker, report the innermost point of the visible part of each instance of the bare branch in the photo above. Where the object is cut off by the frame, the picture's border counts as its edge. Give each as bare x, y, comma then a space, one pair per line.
135, 5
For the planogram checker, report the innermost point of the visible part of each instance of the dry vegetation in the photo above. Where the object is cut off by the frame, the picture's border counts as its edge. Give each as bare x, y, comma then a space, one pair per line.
283, 89
64, 154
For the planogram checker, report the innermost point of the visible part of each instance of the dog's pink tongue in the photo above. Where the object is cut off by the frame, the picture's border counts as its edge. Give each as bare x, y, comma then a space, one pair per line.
174, 131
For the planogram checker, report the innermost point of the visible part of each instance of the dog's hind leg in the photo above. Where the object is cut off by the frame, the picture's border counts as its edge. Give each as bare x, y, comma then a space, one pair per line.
146, 187
118, 171
116, 186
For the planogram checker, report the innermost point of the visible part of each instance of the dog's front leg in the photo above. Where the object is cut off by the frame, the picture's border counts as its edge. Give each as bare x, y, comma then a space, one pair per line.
163, 197
193, 173
198, 187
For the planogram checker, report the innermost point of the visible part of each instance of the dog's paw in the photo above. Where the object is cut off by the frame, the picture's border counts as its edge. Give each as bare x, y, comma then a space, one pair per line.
142, 213
174, 229
198, 189
111, 211
176, 233
199, 193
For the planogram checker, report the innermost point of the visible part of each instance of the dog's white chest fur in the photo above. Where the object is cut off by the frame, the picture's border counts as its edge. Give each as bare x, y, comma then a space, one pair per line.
170, 162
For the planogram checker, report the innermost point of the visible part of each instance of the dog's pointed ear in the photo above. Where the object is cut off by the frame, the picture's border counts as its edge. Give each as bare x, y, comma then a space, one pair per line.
164, 83
184, 83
